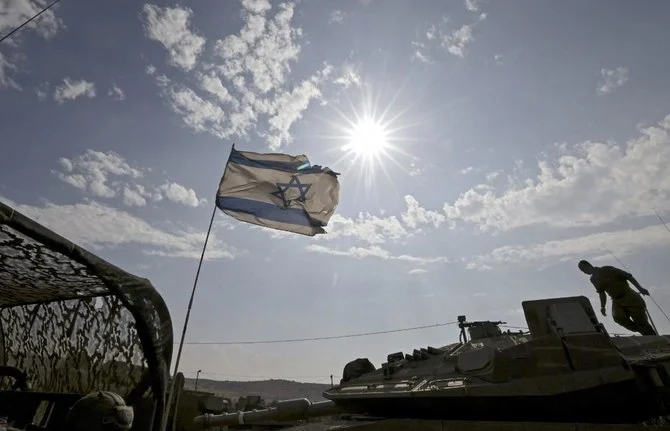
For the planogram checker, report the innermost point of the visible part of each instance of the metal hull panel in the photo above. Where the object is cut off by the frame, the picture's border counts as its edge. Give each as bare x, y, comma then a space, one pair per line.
612, 403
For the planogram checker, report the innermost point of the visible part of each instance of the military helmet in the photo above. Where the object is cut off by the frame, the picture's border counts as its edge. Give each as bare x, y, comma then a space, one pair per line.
101, 410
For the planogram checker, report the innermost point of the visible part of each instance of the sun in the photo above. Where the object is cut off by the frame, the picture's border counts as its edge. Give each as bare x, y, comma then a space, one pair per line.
368, 138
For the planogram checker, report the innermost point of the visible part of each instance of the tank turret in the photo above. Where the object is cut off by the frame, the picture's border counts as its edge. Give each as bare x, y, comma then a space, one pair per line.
479, 330
287, 410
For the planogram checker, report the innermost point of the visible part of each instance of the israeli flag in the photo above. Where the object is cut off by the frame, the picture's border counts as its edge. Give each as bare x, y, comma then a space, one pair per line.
278, 191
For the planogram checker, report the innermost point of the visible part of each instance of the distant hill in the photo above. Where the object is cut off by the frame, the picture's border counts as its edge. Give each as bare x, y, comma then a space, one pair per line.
269, 390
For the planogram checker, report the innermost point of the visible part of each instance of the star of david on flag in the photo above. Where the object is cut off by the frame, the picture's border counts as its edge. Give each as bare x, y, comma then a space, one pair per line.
285, 190
278, 191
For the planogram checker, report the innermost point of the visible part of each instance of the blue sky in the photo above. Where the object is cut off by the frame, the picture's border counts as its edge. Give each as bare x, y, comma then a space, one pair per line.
522, 137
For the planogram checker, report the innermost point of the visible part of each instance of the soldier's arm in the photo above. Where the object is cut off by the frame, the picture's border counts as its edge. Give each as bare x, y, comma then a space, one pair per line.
629, 277
637, 285
634, 281
603, 297
601, 293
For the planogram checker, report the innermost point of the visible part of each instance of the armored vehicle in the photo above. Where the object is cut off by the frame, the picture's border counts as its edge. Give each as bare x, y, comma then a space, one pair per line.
565, 370
71, 324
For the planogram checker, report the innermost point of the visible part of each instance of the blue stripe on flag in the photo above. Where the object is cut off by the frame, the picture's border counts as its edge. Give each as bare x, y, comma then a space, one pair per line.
297, 166
264, 210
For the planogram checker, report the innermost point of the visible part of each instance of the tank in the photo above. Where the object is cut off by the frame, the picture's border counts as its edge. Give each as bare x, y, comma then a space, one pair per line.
566, 369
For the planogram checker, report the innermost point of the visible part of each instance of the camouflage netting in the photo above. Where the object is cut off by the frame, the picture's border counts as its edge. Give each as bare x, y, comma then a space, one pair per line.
73, 322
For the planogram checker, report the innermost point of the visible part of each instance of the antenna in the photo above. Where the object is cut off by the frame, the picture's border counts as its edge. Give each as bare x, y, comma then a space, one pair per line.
661, 219
617, 259
27, 22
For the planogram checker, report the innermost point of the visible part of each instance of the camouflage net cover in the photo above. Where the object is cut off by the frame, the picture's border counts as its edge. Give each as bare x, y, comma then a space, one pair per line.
75, 323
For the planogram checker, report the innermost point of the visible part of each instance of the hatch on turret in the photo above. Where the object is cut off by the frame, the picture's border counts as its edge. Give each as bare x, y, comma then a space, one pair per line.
561, 316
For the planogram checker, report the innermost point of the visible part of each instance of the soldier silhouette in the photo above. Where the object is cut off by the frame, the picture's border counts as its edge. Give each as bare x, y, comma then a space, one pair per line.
628, 307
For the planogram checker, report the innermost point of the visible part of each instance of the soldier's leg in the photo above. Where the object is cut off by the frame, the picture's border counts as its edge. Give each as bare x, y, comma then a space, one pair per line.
621, 317
639, 316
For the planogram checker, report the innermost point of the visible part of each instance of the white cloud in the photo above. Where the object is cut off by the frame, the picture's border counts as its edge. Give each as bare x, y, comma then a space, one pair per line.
42, 91
107, 175
70, 90
374, 251
262, 50
170, 27
98, 226
472, 5
367, 228
246, 79
288, 109
479, 264
454, 41
198, 113
348, 76
5, 68
417, 271
415, 215
420, 53
212, 84
414, 169
374, 230
337, 16
90, 171
492, 176
257, 6
357, 252
134, 196
591, 247
178, 193
611, 79
422, 260
117, 93
590, 184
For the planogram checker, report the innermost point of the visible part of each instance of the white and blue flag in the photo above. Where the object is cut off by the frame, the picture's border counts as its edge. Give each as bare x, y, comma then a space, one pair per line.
278, 191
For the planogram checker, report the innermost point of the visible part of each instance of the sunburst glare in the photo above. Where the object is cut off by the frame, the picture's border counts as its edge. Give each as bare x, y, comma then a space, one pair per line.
370, 138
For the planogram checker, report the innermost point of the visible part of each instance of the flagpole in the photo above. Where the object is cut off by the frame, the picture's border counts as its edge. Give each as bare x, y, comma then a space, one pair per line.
166, 414
188, 313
